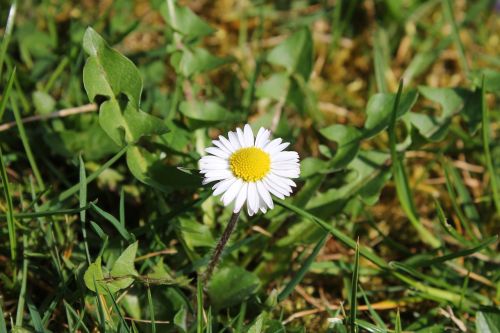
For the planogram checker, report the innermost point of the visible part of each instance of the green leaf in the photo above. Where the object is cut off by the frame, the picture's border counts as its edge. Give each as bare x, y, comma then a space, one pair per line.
491, 79
123, 268
295, 54
111, 76
121, 275
379, 110
311, 166
432, 127
94, 278
230, 286
180, 319
258, 324
183, 20
198, 61
488, 322
204, 114
150, 170
195, 234
44, 103
347, 139
275, 87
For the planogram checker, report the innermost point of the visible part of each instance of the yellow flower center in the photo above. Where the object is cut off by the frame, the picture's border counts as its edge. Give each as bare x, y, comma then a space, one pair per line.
250, 164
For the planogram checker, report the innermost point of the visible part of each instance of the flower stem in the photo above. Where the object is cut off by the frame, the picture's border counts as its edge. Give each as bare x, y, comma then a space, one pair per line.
214, 260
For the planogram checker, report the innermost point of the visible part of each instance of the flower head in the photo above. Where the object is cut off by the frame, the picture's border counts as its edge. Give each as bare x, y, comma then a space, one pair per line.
249, 169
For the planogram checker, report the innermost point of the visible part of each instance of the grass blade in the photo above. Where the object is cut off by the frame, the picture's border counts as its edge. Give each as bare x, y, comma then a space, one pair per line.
75, 188
336, 233
35, 316
11, 226
151, 309
486, 147
24, 282
7, 34
199, 301
303, 269
3, 324
6, 93
43, 214
401, 181
354, 291
26, 144
458, 254
118, 226
398, 328
448, 12
83, 203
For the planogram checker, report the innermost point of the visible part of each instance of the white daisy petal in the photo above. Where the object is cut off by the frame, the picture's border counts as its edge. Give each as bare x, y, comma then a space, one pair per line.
229, 146
264, 194
241, 198
278, 184
262, 137
222, 186
285, 165
285, 156
217, 152
234, 140
221, 146
248, 135
212, 159
279, 148
262, 206
232, 192
219, 173
287, 173
241, 138
253, 197
271, 145
272, 189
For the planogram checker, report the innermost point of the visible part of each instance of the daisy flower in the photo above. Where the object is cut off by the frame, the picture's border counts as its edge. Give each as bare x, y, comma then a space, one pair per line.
249, 169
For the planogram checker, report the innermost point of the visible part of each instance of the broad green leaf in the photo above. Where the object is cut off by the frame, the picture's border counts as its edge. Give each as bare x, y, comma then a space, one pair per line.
364, 175
347, 139
295, 54
488, 321
123, 268
275, 87
93, 143
198, 61
110, 76
183, 20
202, 114
180, 319
120, 277
94, 277
151, 170
231, 285
435, 127
491, 79
258, 324
44, 103
379, 108
311, 166
195, 234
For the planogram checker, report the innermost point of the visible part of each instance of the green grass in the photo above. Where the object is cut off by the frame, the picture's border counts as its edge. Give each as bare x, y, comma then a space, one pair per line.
392, 106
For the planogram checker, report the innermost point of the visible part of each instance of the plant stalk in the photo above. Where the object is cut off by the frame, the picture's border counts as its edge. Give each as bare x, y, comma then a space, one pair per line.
221, 244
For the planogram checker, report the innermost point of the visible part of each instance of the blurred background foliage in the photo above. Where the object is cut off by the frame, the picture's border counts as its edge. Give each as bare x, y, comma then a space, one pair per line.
105, 224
